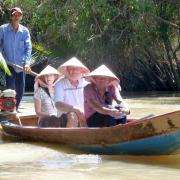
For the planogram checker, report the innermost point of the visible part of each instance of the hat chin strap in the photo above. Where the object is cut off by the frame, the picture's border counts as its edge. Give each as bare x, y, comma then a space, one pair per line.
58, 80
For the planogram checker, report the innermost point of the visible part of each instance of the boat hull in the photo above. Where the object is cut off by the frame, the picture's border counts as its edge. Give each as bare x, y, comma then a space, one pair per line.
153, 136
158, 145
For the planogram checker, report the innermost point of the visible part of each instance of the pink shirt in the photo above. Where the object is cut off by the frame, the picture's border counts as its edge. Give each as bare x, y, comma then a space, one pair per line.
90, 92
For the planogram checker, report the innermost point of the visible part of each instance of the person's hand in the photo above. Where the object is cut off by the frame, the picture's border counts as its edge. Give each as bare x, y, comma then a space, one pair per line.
27, 69
79, 113
115, 113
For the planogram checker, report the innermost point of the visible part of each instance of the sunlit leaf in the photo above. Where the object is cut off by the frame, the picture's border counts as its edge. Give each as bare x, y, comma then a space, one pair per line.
40, 48
4, 66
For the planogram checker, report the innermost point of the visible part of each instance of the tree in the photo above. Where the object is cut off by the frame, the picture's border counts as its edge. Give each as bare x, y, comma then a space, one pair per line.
138, 40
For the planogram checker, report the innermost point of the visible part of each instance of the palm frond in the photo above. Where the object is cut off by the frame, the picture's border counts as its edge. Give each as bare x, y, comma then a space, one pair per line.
4, 66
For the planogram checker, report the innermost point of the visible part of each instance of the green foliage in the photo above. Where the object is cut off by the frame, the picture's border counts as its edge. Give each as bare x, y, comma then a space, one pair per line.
4, 67
40, 48
132, 37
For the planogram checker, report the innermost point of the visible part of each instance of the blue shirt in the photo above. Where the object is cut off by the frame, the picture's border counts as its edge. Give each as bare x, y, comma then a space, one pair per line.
16, 46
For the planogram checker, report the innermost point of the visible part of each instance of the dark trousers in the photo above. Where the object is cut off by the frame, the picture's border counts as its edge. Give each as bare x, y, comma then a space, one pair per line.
16, 82
101, 120
53, 121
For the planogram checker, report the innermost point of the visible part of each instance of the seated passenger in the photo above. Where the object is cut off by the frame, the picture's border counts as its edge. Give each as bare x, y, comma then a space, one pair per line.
99, 98
69, 97
43, 97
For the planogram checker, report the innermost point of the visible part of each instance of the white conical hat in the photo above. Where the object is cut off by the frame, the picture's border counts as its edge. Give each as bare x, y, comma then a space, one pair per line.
73, 62
48, 70
101, 71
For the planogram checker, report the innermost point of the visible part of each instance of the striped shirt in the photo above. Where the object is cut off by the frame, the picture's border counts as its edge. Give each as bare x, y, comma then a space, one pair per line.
65, 92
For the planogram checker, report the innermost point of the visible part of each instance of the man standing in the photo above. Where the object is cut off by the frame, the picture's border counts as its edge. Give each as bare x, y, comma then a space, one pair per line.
16, 48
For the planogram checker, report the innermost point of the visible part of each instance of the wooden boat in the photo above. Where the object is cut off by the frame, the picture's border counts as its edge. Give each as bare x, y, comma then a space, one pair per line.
151, 136
7, 115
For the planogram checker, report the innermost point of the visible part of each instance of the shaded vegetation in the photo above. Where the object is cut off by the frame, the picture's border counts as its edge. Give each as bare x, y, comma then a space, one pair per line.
138, 39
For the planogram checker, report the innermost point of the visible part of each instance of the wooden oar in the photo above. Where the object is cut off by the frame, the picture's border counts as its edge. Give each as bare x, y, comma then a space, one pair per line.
147, 117
20, 67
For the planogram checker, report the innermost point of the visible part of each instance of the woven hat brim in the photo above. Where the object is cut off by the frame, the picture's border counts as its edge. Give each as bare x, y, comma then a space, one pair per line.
73, 62
102, 71
49, 70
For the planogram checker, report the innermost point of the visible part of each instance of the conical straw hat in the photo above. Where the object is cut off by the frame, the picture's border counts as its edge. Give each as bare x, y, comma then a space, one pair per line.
48, 70
73, 62
102, 71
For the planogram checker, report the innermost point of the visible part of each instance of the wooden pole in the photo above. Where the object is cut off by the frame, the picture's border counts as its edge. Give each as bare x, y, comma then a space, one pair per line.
20, 67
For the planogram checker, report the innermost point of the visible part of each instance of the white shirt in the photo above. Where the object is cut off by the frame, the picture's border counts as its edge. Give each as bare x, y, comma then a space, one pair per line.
65, 92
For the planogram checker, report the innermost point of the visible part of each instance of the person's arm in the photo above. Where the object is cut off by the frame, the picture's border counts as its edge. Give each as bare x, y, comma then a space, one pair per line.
64, 107
61, 105
38, 102
119, 100
117, 96
124, 107
37, 106
91, 101
28, 50
69, 108
104, 110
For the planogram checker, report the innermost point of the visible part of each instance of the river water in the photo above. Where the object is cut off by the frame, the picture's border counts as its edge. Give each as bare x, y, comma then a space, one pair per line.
39, 161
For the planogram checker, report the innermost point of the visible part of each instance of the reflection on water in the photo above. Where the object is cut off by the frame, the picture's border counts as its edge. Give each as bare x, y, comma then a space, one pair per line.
44, 161
20, 160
